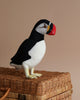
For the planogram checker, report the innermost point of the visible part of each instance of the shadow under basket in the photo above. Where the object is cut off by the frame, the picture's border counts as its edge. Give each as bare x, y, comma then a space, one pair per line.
50, 86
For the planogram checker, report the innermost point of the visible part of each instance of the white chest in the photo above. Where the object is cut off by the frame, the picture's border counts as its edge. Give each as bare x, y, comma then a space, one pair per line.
38, 51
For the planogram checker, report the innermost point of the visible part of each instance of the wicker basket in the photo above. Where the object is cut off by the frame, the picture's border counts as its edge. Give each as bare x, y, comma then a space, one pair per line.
51, 86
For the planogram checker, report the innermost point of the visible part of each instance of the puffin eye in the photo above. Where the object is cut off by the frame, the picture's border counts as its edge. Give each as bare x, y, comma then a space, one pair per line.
45, 26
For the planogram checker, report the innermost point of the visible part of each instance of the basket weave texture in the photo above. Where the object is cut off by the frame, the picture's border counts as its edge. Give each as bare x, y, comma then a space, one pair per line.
15, 96
45, 87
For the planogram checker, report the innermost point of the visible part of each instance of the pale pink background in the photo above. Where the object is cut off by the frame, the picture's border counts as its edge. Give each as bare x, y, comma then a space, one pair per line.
17, 18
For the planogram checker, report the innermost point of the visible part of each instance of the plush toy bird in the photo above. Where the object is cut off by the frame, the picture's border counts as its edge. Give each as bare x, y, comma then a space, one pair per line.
32, 50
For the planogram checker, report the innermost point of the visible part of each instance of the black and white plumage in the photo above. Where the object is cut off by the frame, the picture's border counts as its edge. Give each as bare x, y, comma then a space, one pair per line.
32, 50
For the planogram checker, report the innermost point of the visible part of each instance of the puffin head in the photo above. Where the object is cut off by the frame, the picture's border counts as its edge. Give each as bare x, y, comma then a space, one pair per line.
45, 27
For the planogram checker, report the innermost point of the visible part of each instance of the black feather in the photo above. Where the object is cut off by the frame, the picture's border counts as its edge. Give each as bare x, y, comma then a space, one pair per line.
22, 53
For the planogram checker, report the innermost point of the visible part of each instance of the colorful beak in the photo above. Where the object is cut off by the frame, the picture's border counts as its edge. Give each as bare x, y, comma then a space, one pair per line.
51, 30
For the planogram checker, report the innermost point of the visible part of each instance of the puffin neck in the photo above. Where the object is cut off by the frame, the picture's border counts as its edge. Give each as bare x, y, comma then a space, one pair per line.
36, 36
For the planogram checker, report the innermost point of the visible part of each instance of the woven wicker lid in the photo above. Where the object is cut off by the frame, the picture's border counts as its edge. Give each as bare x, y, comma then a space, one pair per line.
51, 83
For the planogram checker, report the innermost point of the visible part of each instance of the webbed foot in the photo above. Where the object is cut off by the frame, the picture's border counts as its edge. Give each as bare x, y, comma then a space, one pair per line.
32, 77
37, 74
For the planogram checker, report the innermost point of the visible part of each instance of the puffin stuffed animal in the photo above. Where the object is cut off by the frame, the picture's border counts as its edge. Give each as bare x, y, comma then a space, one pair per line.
32, 50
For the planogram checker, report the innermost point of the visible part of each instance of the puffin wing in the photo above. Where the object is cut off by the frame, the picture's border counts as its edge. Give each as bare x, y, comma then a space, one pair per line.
22, 53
